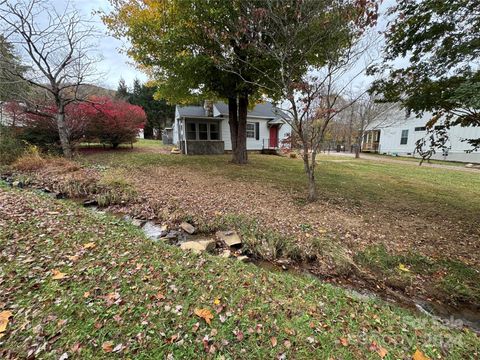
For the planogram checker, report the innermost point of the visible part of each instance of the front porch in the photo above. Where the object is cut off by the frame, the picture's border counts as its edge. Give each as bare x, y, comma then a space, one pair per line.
202, 147
371, 141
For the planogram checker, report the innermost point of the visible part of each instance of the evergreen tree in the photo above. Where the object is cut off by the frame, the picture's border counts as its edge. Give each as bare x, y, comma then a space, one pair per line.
159, 113
122, 90
11, 86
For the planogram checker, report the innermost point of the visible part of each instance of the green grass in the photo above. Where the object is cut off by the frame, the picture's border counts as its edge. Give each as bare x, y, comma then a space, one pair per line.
427, 191
417, 160
459, 281
139, 143
306, 317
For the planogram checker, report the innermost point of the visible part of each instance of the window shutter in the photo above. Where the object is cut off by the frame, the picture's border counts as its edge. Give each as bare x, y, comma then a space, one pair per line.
257, 131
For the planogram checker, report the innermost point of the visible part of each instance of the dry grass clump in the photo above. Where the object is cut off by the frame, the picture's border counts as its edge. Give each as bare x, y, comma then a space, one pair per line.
30, 160
60, 165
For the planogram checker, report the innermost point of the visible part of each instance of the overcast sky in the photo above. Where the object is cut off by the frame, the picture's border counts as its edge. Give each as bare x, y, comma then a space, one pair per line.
115, 64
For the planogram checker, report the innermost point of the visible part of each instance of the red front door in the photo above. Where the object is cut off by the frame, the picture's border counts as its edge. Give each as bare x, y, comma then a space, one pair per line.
273, 143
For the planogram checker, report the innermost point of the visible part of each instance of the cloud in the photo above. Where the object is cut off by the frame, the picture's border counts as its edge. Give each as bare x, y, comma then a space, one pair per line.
115, 64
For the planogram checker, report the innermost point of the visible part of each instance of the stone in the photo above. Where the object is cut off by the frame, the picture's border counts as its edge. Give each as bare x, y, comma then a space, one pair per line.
138, 222
153, 231
176, 151
226, 253
188, 228
469, 165
87, 203
230, 238
198, 246
243, 258
18, 184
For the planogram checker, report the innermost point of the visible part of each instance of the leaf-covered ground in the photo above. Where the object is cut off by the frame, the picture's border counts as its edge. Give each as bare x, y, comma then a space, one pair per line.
409, 229
84, 285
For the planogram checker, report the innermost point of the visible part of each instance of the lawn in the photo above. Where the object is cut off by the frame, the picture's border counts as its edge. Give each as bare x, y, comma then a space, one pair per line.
384, 226
398, 187
84, 285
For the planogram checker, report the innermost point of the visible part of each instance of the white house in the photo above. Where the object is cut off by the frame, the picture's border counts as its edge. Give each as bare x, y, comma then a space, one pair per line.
396, 134
205, 129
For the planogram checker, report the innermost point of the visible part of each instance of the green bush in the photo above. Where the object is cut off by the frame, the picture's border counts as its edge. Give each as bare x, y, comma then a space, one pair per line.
10, 146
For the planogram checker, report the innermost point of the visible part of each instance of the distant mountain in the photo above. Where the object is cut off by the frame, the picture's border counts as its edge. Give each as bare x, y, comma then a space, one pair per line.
84, 91
94, 90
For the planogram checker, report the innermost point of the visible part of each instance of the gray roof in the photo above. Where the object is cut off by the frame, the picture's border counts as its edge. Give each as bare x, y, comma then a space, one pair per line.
266, 110
262, 110
191, 110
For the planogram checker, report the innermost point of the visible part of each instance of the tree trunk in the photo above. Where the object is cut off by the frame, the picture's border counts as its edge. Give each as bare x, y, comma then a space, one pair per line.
63, 132
309, 165
233, 121
240, 156
237, 112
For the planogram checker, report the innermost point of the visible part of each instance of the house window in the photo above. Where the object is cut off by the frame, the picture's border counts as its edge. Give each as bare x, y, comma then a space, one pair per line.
439, 127
191, 131
214, 133
404, 138
377, 136
203, 131
251, 130
420, 128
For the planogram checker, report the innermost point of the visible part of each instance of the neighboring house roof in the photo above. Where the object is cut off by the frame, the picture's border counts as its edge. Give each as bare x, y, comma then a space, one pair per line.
264, 110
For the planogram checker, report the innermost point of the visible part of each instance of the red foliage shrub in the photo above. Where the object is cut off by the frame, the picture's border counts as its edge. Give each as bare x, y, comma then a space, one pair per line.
100, 119
110, 121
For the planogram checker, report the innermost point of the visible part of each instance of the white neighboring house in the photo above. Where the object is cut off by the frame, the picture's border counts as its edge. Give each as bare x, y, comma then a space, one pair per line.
396, 134
205, 130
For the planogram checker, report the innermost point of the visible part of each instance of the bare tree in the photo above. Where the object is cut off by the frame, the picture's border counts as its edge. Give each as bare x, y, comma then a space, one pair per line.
369, 113
315, 53
58, 49
323, 96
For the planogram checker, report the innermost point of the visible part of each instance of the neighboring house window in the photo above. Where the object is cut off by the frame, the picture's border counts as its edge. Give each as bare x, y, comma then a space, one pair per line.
439, 127
251, 130
377, 136
191, 131
420, 128
404, 138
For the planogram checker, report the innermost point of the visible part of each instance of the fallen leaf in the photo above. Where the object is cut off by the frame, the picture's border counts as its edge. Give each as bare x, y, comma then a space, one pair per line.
86, 294
216, 301
118, 348
402, 267
205, 314
420, 356
89, 245
160, 296
4, 318
57, 275
107, 346
344, 341
287, 344
75, 347
239, 335
72, 257
382, 352
273, 341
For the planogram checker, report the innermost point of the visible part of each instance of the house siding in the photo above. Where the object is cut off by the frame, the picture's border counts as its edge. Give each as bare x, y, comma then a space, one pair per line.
390, 140
222, 118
